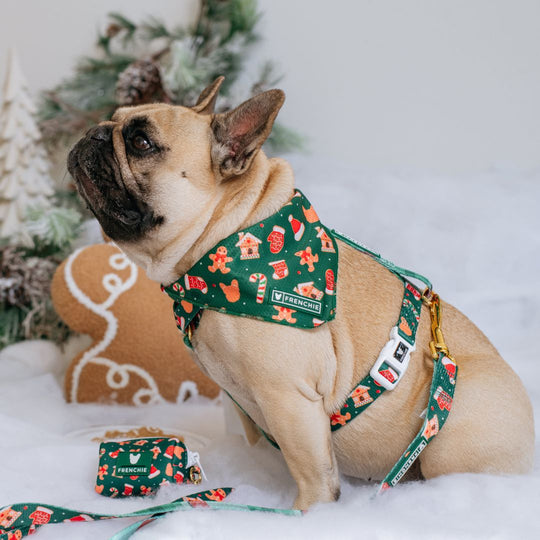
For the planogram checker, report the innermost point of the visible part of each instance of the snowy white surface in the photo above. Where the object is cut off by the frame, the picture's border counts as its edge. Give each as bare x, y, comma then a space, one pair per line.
476, 238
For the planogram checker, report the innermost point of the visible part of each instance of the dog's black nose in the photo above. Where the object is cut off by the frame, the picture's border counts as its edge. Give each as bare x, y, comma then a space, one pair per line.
100, 133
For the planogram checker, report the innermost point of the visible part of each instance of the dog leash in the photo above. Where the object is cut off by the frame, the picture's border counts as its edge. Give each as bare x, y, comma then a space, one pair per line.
23, 519
30, 516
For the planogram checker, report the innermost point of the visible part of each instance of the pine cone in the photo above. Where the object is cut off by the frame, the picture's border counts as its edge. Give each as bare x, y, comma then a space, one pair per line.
24, 282
140, 83
112, 30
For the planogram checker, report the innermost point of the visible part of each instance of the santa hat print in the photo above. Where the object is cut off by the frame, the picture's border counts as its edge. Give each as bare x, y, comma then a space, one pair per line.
297, 226
153, 472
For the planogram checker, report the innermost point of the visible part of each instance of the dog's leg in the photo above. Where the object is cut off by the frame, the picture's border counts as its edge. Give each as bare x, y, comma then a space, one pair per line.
250, 428
301, 428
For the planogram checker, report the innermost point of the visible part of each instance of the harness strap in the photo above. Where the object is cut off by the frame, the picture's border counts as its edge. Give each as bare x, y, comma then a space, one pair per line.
398, 270
396, 354
389, 368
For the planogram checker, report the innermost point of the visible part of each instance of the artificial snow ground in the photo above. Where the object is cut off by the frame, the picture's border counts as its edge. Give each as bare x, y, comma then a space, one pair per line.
476, 238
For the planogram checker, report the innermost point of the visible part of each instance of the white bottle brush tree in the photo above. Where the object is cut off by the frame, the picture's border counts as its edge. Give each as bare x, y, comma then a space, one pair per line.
24, 167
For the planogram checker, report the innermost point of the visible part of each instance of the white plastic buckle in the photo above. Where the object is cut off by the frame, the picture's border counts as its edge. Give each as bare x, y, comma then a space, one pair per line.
396, 353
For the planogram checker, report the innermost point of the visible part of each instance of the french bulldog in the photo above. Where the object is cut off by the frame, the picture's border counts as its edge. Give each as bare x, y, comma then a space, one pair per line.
167, 183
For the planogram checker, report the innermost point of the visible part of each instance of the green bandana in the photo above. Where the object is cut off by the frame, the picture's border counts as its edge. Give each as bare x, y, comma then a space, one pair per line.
282, 270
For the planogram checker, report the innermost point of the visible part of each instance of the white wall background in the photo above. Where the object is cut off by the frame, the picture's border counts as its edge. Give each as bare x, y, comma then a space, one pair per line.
442, 87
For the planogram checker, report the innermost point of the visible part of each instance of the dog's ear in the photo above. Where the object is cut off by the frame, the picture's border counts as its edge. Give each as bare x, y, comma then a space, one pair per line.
207, 100
239, 134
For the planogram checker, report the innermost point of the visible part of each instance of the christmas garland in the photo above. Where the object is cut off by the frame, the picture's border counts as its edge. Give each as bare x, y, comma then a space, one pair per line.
147, 62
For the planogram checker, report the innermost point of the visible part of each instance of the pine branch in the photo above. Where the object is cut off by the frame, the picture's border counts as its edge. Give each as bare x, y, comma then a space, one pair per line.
51, 230
267, 78
155, 29
128, 27
187, 60
284, 139
243, 17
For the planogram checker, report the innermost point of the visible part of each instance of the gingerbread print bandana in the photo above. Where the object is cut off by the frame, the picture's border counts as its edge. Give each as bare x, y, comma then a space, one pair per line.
282, 270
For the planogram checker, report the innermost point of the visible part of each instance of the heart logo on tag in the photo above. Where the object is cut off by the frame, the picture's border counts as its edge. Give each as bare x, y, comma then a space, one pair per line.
134, 458
278, 296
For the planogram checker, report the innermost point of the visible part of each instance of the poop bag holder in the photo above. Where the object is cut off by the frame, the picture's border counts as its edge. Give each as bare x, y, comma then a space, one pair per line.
141, 466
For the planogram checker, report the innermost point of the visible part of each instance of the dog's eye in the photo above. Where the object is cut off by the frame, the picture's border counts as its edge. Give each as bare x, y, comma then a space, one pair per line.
140, 142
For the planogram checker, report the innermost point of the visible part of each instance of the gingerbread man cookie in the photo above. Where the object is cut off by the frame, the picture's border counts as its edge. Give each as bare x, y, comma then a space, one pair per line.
284, 314
220, 260
306, 257
97, 291
341, 419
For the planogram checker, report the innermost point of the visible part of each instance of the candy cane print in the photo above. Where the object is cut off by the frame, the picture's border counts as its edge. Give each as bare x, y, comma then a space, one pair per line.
261, 289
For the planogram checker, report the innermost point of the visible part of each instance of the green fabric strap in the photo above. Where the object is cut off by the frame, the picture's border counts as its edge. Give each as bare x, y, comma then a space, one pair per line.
441, 396
398, 270
393, 358
392, 361
19, 520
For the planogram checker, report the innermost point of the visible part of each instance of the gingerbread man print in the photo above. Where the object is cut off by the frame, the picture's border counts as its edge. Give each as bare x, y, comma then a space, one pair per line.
220, 260
232, 291
338, 418
307, 257
284, 314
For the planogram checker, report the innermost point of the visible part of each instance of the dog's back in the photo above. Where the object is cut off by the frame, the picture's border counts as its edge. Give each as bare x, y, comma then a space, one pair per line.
485, 431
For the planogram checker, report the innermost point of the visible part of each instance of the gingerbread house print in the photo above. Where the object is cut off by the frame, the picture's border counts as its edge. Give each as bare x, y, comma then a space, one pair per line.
307, 289
8, 517
360, 396
326, 242
249, 246
444, 400
389, 374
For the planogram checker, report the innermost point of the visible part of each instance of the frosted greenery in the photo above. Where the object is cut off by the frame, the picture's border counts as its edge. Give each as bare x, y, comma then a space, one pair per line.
142, 62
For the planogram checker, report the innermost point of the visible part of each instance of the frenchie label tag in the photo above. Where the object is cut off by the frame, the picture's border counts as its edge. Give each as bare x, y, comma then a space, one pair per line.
295, 301
133, 463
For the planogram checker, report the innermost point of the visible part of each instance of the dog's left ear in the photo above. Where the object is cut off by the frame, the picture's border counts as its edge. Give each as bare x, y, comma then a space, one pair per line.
207, 100
239, 134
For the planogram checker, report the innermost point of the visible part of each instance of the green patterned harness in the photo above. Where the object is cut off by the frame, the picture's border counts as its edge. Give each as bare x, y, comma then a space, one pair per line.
284, 270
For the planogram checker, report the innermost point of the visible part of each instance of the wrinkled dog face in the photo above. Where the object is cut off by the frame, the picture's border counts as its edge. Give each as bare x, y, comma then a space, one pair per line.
137, 171
153, 174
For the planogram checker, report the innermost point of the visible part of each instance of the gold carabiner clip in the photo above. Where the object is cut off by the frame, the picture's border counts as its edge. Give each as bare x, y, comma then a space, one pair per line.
437, 345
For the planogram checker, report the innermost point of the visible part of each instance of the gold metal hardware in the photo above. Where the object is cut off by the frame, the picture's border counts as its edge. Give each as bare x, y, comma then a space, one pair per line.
437, 345
195, 475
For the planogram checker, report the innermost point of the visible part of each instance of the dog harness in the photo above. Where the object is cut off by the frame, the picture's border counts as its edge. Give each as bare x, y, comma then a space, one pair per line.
284, 270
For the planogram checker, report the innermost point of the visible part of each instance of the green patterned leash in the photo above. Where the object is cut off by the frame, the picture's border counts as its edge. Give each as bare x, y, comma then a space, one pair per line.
22, 519
126, 533
441, 396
